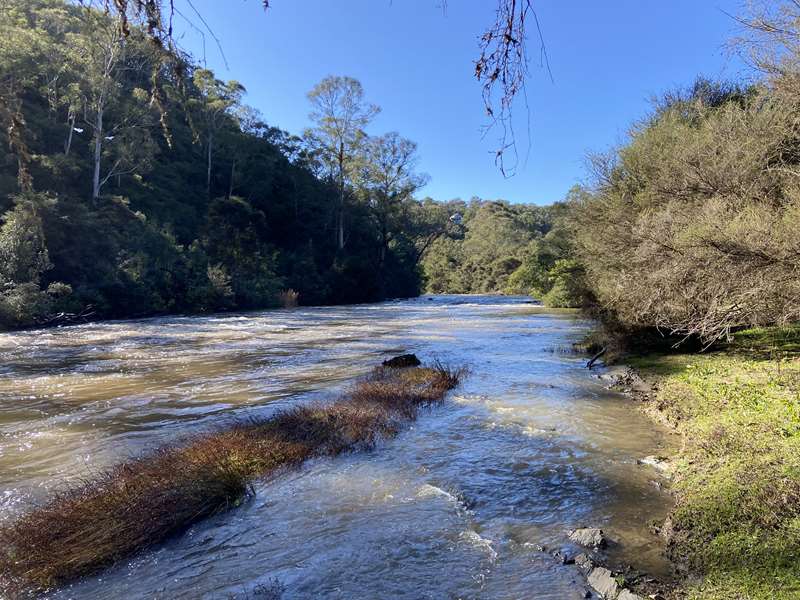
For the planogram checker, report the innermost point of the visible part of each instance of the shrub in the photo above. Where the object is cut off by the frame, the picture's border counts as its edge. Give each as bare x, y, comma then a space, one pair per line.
288, 298
693, 224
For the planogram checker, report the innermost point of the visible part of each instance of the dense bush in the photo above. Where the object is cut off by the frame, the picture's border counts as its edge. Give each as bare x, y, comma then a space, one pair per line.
693, 227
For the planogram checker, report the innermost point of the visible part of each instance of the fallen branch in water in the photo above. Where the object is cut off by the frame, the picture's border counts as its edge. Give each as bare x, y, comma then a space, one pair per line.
64, 318
138, 504
593, 360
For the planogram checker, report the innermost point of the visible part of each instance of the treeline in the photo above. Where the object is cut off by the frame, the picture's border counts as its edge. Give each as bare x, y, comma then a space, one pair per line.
497, 247
134, 182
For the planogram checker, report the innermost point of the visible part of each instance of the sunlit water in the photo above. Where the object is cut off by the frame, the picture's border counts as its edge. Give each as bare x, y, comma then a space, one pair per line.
530, 445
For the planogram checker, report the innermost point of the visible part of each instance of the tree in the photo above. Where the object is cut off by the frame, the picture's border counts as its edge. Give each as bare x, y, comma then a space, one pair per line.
105, 56
32, 61
502, 63
217, 102
387, 182
340, 114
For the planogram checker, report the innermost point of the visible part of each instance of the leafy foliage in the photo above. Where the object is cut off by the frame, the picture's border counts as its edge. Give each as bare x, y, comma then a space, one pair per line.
693, 224
507, 248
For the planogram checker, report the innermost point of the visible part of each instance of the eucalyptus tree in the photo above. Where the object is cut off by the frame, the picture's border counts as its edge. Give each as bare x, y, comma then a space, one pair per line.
217, 102
117, 112
501, 67
340, 113
387, 182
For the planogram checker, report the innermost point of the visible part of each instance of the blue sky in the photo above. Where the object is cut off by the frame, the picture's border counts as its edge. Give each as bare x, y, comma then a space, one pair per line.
415, 61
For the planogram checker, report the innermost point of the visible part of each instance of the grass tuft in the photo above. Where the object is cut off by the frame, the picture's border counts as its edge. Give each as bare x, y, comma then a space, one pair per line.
140, 503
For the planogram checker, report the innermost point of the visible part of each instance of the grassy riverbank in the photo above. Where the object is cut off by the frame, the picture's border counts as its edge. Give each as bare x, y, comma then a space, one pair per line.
143, 502
737, 476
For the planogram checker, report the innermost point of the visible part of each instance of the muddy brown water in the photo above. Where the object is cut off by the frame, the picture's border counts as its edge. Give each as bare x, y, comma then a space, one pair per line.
530, 446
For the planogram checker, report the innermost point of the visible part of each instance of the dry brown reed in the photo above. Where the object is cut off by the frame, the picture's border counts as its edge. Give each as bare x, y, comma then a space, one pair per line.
137, 504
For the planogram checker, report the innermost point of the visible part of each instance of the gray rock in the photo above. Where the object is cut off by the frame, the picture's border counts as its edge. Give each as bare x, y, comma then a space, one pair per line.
628, 595
625, 378
660, 464
603, 582
565, 558
588, 537
583, 562
402, 362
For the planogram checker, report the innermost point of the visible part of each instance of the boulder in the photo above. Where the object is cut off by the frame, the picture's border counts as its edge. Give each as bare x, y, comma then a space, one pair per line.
628, 595
588, 537
402, 362
603, 582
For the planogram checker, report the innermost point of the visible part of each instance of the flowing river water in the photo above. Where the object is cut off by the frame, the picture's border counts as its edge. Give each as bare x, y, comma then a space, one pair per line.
457, 506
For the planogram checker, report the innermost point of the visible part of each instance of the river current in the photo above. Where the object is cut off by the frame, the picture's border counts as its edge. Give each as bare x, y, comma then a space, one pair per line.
460, 505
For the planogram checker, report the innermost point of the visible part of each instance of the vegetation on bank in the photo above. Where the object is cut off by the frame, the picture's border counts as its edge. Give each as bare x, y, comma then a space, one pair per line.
137, 504
736, 479
498, 247
687, 240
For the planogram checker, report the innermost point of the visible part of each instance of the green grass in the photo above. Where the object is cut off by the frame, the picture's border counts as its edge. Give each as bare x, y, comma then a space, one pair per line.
737, 476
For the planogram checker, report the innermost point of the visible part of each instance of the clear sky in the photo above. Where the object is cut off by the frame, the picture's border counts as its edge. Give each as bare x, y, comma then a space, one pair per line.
415, 61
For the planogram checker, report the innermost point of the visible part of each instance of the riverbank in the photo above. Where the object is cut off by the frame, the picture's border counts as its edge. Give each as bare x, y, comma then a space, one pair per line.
735, 528
143, 502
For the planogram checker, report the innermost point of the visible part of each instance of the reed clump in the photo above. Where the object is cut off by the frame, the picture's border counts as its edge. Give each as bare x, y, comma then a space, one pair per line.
137, 504
288, 298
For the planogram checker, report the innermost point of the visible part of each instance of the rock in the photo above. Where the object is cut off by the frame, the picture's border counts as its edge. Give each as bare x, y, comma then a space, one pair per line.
659, 463
564, 557
626, 379
402, 362
603, 582
588, 537
584, 563
628, 595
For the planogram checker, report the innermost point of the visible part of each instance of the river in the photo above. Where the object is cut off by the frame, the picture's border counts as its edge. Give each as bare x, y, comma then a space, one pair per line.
528, 447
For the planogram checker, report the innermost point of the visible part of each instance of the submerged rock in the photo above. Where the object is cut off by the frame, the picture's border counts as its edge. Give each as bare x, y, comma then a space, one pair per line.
588, 537
564, 557
584, 563
402, 362
657, 462
603, 582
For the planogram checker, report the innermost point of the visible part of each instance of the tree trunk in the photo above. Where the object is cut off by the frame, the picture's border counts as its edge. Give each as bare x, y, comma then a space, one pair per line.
98, 150
208, 169
382, 259
340, 215
230, 184
71, 123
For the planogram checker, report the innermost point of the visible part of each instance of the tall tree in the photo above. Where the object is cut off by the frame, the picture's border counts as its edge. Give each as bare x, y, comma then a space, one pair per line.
119, 122
387, 182
32, 61
340, 115
218, 101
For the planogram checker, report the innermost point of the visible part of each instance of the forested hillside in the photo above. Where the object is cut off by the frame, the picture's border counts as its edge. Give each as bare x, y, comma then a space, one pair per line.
134, 182
497, 247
